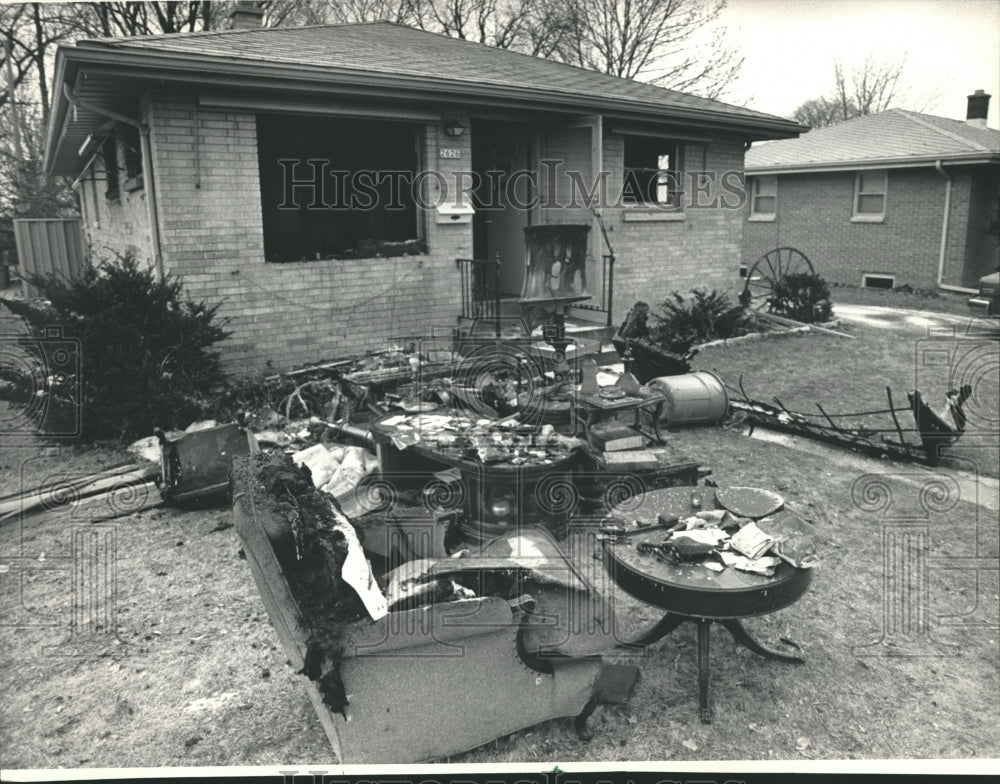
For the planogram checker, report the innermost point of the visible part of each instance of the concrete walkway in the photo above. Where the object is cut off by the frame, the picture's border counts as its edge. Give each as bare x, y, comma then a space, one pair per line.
916, 321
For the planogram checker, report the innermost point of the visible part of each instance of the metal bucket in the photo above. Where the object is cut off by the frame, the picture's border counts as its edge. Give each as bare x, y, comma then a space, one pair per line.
697, 398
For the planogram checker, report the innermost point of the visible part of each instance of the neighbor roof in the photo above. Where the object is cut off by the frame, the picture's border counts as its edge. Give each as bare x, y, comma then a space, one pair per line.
894, 138
387, 60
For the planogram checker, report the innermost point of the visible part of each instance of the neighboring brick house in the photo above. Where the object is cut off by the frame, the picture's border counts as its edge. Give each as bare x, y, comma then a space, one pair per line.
889, 199
215, 142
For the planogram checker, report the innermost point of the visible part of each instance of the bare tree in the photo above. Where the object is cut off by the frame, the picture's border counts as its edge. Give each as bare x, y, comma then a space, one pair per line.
120, 19
32, 35
296, 13
654, 40
818, 112
873, 86
674, 43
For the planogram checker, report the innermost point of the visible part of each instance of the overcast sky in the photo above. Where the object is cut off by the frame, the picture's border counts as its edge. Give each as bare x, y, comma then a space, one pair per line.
952, 47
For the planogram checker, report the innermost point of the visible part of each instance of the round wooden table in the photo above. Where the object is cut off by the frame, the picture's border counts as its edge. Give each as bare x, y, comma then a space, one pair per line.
496, 497
691, 591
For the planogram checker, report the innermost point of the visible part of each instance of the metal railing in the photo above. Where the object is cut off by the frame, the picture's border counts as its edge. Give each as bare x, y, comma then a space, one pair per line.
607, 291
480, 285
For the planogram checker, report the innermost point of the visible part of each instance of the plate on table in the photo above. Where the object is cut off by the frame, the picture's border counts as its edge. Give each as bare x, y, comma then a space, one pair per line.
752, 502
611, 393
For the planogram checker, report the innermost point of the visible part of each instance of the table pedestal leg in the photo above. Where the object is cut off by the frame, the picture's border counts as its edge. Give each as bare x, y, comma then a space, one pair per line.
663, 627
704, 708
742, 637
670, 621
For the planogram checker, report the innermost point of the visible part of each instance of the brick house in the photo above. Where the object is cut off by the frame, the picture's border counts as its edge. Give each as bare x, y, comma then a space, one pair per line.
234, 160
889, 199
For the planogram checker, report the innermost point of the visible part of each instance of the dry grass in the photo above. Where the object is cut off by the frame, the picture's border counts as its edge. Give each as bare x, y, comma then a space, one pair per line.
847, 376
195, 674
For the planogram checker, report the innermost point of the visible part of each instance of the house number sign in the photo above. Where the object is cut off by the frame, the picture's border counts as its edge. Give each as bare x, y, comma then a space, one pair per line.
449, 152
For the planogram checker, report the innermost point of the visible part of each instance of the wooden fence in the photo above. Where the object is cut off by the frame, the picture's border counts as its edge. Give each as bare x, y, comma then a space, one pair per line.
48, 245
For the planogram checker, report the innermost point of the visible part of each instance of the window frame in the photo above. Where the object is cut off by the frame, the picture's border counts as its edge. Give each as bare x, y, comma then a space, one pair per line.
417, 131
869, 217
109, 160
674, 149
130, 143
755, 183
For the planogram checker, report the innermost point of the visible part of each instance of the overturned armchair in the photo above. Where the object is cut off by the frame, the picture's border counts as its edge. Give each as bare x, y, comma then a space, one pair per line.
430, 657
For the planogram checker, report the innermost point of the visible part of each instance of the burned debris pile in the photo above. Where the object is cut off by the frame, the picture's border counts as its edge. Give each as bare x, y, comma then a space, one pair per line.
312, 547
936, 430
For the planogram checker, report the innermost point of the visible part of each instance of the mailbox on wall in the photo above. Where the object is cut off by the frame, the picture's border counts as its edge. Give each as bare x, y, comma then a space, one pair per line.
455, 213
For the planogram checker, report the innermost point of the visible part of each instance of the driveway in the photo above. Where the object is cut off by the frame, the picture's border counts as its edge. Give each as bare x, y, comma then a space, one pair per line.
917, 321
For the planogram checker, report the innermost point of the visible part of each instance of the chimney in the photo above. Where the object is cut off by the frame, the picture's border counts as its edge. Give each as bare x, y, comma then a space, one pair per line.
246, 16
979, 105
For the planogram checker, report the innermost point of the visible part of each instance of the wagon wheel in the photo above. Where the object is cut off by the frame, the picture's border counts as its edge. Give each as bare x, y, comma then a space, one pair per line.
767, 271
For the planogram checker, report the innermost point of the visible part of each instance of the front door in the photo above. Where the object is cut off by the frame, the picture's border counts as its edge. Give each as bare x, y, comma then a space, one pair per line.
499, 150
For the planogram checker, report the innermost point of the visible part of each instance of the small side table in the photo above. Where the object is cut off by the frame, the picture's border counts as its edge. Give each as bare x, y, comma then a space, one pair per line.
693, 593
593, 409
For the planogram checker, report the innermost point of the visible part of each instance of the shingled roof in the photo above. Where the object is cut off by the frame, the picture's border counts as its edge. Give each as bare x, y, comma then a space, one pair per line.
393, 49
894, 138
384, 60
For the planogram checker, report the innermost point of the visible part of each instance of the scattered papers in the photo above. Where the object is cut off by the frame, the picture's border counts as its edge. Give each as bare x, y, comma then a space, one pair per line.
205, 424
709, 536
147, 448
764, 565
751, 541
794, 540
338, 471
320, 461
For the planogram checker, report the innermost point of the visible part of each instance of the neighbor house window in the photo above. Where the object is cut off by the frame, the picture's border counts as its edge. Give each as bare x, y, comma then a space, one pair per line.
763, 197
869, 194
333, 188
653, 170
109, 157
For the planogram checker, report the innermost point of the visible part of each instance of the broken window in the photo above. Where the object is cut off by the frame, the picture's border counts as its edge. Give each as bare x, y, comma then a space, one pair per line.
763, 196
131, 146
652, 172
869, 194
109, 157
333, 188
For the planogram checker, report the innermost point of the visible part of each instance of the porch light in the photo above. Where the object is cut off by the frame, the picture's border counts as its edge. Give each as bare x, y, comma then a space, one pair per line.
454, 129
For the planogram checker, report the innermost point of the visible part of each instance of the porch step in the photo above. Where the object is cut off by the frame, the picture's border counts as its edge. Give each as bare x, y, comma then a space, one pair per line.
582, 329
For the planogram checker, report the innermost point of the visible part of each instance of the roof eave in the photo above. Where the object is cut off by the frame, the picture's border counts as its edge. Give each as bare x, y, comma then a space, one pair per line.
217, 71
57, 118
885, 163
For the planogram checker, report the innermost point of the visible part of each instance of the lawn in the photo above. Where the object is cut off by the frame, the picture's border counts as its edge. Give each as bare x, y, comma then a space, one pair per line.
195, 675
846, 375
